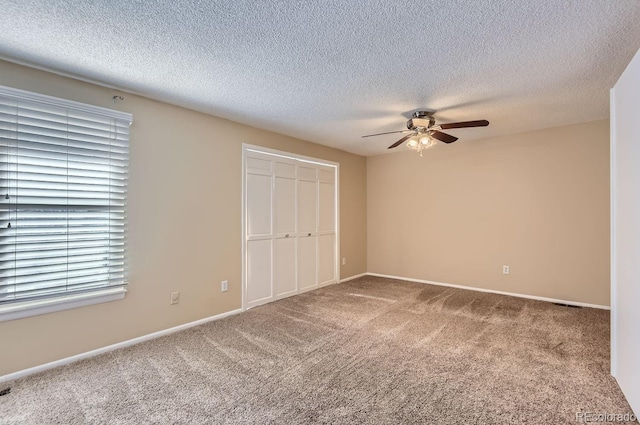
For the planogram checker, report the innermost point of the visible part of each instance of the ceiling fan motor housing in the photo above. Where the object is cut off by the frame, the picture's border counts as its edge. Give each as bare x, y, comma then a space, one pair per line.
421, 119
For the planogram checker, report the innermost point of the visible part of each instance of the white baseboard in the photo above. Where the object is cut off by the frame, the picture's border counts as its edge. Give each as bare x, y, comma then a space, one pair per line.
92, 353
512, 294
346, 279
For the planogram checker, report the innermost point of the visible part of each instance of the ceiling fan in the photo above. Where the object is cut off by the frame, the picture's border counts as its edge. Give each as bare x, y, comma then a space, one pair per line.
423, 132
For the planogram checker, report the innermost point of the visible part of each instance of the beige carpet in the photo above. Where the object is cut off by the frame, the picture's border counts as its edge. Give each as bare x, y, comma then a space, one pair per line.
369, 351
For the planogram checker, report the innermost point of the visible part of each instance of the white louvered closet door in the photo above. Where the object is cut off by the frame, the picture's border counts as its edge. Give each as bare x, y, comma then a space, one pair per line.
285, 224
259, 238
307, 227
326, 226
290, 213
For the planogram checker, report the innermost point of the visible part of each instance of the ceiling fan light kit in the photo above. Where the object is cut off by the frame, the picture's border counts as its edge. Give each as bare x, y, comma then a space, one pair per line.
420, 143
425, 133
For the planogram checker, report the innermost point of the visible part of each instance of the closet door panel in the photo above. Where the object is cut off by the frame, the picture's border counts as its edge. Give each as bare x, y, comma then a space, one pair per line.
285, 267
307, 258
285, 168
326, 259
306, 172
259, 261
259, 164
285, 206
307, 206
258, 205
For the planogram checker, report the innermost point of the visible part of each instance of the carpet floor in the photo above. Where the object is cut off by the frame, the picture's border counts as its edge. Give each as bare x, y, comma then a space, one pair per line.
368, 351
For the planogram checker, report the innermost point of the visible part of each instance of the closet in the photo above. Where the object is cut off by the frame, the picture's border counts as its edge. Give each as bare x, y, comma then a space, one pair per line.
290, 238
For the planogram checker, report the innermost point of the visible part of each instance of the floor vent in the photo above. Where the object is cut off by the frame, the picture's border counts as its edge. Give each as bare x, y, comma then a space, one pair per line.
568, 305
5, 391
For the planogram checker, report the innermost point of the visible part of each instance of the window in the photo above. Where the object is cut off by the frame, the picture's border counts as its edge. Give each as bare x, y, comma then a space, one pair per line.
63, 187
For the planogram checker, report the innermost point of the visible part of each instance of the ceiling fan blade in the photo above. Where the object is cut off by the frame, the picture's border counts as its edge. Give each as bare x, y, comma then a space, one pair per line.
465, 124
443, 137
401, 141
389, 132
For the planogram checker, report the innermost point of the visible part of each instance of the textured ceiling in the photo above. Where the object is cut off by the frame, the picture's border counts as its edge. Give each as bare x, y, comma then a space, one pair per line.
331, 71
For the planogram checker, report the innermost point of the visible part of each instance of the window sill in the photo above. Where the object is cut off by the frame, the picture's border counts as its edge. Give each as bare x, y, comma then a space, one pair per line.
38, 307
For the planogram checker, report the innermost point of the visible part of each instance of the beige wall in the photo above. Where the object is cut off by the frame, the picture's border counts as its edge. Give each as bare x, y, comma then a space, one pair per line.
184, 221
538, 202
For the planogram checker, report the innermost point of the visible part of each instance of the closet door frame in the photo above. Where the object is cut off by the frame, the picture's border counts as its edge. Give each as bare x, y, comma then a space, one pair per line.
248, 149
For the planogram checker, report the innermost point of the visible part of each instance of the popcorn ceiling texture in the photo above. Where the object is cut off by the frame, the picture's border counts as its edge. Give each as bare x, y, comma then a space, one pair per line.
331, 71
369, 351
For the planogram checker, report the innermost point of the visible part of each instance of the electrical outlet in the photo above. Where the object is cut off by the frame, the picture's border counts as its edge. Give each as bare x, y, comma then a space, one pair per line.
175, 297
224, 285
505, 269
344, 261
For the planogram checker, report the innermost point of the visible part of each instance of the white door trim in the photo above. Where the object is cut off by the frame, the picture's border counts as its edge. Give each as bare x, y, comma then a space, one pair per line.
614, 281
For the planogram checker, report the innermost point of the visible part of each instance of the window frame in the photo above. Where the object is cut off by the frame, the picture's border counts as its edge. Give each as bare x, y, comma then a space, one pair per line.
68, 300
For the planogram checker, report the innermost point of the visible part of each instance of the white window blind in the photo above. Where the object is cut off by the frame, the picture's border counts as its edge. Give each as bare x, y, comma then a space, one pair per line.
63, 192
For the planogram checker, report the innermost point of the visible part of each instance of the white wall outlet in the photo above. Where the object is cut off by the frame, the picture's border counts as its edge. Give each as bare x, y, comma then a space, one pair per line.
505, 269
224, 285
344, 261
175, 297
